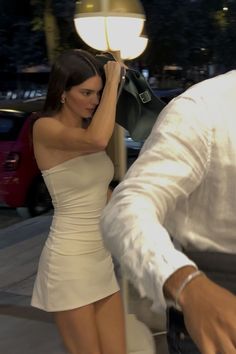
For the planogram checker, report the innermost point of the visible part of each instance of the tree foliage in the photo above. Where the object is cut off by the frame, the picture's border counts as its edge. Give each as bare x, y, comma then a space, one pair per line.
190, 32
185, 32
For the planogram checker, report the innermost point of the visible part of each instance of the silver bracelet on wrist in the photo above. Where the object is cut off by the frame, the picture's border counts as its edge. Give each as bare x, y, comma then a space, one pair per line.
186, 281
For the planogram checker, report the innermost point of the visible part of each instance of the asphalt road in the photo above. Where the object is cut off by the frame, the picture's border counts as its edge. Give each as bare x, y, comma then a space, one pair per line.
9, 217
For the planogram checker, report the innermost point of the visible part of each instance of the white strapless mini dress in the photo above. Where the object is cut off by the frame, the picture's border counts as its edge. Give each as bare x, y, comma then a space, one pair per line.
75, 269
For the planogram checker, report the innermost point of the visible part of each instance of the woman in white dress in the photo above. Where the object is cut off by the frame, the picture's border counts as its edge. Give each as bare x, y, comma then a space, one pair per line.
75, 278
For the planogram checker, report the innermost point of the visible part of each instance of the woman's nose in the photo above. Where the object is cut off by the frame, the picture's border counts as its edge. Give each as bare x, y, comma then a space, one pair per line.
95, 99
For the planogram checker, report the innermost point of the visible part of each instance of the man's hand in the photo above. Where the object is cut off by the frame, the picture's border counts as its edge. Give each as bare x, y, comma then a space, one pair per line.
210, 316
209, 311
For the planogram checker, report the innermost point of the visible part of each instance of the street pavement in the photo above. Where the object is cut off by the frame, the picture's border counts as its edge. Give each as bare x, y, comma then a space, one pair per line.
8, 217
24, 329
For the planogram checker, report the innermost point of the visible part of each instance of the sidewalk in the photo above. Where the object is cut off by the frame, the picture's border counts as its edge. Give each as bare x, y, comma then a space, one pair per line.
26, 330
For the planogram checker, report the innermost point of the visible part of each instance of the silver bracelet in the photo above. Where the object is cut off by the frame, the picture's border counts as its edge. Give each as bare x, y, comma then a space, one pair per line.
186, 281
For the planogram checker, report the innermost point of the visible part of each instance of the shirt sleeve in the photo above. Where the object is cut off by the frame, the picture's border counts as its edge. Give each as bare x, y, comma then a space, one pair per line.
172, 163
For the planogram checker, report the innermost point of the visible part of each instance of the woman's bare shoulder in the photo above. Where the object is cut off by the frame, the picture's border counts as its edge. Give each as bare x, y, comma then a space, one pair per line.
45, 123
46, 120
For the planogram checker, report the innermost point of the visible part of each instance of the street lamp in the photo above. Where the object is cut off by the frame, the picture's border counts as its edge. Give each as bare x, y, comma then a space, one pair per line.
112, 25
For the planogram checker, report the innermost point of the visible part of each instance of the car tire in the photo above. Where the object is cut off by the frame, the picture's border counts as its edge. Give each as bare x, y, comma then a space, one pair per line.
39, 200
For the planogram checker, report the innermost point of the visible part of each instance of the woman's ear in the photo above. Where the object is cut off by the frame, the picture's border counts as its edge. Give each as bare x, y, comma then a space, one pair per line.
63, 98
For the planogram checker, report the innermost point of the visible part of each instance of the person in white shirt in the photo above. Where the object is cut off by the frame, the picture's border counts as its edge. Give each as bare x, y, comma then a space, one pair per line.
182, 187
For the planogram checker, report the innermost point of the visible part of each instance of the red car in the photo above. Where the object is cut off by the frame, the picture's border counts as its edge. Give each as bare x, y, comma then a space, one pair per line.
21, 183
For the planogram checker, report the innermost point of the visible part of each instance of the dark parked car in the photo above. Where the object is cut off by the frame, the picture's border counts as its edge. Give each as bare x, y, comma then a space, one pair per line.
166, 95
21, 183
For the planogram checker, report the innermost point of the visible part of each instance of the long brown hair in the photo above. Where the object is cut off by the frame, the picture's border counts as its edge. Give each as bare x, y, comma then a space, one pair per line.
71, 68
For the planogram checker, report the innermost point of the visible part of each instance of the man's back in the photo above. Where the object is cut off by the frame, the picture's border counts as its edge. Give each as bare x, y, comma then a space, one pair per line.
182, 186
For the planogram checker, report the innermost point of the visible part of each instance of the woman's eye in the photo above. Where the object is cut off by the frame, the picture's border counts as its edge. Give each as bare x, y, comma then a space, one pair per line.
86, 93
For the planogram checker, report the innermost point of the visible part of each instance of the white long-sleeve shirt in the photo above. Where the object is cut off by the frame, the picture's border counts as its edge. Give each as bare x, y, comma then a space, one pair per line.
182, 185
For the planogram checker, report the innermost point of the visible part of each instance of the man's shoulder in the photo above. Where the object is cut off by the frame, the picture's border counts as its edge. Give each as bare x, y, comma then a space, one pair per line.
215, 86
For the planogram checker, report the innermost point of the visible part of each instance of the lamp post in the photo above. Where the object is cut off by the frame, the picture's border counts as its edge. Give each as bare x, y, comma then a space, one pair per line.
115, 26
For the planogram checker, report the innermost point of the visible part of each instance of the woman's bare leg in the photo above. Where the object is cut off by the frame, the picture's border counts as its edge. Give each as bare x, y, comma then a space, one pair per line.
110, 320
78, 330
97, 328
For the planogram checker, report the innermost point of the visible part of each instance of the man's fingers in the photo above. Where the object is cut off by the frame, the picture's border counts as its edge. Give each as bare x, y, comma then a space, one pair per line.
234, 338
221, 345
208, 350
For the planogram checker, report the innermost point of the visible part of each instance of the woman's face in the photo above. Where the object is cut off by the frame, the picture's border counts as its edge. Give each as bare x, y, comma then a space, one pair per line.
83, 99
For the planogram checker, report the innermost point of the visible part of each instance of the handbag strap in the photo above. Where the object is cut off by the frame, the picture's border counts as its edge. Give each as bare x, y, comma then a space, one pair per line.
122, 81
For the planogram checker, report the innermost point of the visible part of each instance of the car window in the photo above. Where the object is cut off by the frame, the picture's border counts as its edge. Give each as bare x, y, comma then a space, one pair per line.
10, 125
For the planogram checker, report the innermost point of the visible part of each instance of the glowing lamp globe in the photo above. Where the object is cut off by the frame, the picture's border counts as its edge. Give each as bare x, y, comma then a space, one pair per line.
112, 25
